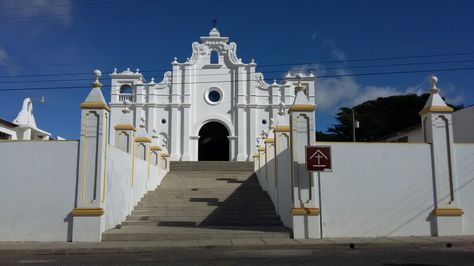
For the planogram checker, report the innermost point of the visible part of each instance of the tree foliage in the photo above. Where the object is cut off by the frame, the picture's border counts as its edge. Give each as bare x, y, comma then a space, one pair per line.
377, 118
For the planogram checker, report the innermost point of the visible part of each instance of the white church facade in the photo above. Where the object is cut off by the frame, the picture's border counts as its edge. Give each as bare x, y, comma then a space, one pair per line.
212, 106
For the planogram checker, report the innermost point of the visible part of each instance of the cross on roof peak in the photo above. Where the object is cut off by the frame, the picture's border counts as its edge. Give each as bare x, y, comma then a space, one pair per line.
214, 22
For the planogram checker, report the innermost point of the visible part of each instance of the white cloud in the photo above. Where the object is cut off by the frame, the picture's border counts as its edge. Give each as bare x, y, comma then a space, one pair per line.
7, 63
335, 92
60, 10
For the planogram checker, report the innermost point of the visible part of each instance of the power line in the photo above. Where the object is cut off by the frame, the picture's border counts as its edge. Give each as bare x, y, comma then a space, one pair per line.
313, 61
317, 77
273, 71
272, 65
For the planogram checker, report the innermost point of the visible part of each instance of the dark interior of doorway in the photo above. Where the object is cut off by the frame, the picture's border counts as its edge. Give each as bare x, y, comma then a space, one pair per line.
213, 142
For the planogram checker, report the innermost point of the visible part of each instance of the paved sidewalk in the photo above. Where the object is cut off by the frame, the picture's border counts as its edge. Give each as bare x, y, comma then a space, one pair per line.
149, 246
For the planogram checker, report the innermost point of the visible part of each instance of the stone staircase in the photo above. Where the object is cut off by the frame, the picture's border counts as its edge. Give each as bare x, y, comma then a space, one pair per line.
203, 200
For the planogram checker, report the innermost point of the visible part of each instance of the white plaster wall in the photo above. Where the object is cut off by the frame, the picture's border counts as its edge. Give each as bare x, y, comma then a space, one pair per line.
377, 190
284, 203
121, 197
38, 190
463, 125
464, 154
139, 181
118, 187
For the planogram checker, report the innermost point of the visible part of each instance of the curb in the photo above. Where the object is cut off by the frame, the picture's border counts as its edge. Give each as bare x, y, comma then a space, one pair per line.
148, 247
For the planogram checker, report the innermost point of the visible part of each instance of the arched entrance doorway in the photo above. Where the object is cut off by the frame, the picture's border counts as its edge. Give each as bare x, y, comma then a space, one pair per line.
213, 142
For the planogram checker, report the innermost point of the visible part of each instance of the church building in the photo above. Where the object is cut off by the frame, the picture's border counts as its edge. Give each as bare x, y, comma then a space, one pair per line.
212, 106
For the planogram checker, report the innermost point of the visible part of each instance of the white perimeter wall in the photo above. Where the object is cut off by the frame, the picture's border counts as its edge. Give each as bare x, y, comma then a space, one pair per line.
38, 190
121, 196
377, 190
465, 184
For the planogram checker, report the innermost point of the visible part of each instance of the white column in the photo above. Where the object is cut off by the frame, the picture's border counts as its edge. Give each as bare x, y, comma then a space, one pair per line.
270, 167
305, 209
232, 145
241, 116
186, 133
438, 131
251, 113
175, 117
283, 173
89, 222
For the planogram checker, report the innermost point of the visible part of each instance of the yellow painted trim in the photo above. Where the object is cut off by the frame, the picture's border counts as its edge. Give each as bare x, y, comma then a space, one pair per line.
87, 212
95, 105
124, 127
133, 159
104, 178
270, 140
148, 171
84, 140
305, 211
448, 212
261, 148
142, 139
155, 148
281, 129
256, 156
164, 155
302, 107
436, 109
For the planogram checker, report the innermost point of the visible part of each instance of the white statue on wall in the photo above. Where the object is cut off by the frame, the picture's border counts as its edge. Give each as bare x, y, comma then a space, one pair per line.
25, 116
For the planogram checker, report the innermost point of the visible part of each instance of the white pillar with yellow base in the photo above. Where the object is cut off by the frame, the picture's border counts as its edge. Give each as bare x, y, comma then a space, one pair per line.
437, 129
282, 166
88, 214
305, 209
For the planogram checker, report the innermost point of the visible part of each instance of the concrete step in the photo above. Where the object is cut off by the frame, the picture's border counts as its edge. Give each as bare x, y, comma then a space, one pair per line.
203, 200
198, 212
238, 204
154, 233
204, 223
211, 166
200, 218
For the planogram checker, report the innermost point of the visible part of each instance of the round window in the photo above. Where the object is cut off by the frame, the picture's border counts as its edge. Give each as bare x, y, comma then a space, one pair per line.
163, 121
264, 121
213, 95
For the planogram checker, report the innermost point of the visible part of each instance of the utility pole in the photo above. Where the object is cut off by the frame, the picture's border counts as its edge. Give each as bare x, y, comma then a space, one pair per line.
355, 124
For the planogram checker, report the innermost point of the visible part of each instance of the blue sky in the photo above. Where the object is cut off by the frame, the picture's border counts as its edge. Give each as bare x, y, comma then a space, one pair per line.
44, 40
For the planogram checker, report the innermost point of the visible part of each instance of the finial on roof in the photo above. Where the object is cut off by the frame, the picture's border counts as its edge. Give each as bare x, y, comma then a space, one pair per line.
299, 87
115, 71
137, 71
152, 81
143, 120
434, 81
97, 75
128, 69
252, 61
214, 33
281, 110
175, 60
275, 82
125, 110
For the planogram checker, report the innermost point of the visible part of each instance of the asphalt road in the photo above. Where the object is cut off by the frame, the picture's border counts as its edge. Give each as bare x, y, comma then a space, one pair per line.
433, 256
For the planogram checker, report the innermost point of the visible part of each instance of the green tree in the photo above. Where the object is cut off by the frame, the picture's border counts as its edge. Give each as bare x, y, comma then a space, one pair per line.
378, 118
